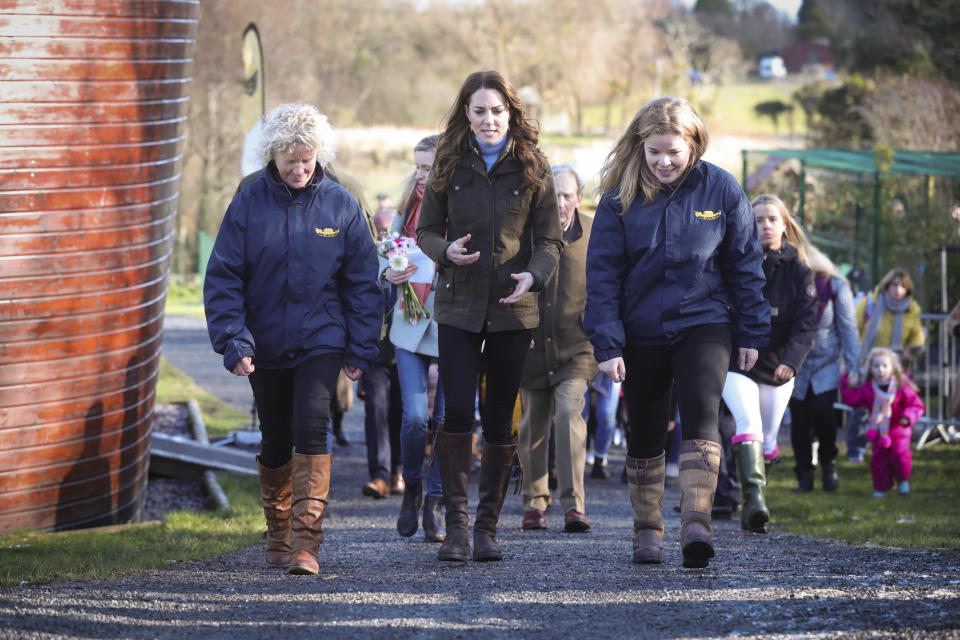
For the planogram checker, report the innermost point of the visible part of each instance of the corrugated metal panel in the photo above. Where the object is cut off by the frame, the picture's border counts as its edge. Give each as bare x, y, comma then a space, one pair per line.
92, 118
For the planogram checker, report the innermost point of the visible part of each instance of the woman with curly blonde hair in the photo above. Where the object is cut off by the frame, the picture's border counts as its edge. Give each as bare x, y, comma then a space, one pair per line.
294, 266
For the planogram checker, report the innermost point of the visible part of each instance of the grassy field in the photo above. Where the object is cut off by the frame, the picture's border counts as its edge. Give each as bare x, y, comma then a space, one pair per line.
37, 558
185, 298
927, 518
219, 418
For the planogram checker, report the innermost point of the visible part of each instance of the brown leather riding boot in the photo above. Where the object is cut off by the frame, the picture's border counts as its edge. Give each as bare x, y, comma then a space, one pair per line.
699, 466
646, 478
276, 486
454, 455
495, 467
311, 484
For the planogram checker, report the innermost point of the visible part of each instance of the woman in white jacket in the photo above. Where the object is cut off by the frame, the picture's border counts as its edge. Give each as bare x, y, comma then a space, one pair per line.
416, 350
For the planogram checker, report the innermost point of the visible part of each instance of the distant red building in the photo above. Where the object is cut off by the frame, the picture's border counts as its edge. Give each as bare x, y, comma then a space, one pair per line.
807, 56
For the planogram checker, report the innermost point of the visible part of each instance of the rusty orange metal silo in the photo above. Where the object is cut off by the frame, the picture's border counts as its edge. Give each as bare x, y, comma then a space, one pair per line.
93, 107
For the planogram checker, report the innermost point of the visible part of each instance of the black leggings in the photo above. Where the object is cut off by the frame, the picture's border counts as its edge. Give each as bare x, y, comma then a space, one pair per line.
814, 416
464, 355
294, 408
698, 363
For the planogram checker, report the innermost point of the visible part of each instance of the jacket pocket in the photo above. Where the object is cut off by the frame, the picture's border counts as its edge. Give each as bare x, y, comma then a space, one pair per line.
451, 285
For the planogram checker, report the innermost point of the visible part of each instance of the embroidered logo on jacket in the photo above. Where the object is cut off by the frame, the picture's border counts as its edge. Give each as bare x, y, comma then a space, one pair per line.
708, 215
327, 232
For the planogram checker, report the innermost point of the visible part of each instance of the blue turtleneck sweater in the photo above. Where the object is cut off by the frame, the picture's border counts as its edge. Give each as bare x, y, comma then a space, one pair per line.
491, 152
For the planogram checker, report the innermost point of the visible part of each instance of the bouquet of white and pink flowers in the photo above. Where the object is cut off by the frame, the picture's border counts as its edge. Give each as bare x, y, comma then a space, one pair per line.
394, 248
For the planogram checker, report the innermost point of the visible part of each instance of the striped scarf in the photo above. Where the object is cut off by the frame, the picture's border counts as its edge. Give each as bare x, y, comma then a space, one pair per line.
882, 405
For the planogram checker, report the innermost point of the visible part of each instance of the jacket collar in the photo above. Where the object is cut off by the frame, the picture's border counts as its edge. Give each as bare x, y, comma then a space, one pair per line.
575, 231
787, 252
694, 177
283, 190
473, 159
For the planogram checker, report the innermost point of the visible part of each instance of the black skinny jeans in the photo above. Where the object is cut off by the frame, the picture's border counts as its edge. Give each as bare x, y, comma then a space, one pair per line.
294, 408
814, 416
464, 355
698, 363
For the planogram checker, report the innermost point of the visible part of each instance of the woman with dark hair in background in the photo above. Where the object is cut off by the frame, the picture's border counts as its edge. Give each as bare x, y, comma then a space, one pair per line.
489, 219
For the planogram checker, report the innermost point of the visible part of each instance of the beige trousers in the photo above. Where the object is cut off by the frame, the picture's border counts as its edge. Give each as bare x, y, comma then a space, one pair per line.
563, 405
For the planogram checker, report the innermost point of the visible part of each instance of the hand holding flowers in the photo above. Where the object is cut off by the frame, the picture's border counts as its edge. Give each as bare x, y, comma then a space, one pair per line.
394, 249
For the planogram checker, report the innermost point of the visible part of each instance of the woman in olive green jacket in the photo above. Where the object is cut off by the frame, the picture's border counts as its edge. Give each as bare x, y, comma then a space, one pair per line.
489, 219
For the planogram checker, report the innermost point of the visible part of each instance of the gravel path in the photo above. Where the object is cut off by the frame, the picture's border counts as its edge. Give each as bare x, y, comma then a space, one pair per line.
374, 584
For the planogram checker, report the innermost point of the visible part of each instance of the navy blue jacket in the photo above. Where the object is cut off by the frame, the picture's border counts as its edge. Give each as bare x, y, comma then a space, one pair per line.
691, 257
293, 276
792, 296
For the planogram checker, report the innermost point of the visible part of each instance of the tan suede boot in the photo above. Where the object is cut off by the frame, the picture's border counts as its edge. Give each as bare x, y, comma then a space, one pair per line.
311, 484
646, 477
699, 466
455, 456
495, 467
276, 486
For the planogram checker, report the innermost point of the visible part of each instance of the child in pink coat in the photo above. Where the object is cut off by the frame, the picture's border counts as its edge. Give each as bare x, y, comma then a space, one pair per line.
894, 406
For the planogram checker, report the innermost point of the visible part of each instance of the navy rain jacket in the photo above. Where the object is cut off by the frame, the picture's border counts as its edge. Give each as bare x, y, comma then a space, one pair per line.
293, 276
691, 257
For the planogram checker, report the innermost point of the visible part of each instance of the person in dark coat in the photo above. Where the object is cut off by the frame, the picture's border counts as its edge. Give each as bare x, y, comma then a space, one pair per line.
489, 220
674, 284
556, 373
817, 384
291, 297
758, 399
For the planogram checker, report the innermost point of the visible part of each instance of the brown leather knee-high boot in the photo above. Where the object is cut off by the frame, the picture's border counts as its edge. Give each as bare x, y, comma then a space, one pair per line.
646, 477
495, 468
276, 486
454, 455
699, 466
311, 484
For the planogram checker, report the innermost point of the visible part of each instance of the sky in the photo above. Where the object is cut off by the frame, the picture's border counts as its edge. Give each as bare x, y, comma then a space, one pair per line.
789, 7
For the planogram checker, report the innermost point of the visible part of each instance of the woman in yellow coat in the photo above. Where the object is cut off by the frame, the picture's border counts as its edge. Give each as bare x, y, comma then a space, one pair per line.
887, 317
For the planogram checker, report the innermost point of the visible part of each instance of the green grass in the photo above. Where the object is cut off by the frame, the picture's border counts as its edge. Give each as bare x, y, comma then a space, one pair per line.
927, 518
185, 299
731, 109
38, 558
218, 417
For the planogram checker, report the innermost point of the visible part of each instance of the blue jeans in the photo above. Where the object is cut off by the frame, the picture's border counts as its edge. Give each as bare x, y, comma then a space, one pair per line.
413, 368
606, 415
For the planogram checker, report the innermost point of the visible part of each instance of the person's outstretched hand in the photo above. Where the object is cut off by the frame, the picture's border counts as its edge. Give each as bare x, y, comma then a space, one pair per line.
524, 282
457, 252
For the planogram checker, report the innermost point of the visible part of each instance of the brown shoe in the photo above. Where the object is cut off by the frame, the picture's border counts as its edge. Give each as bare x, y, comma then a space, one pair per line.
311, 484
397, 485
575, 522
533, 520
376, 488
276, 487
